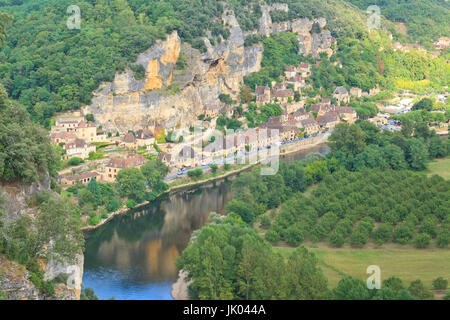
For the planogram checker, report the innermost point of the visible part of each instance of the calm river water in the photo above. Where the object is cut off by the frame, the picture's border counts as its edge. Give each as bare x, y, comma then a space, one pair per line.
132, 257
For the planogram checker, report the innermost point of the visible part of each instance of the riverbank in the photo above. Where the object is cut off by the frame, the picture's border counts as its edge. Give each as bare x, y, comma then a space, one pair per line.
284, 150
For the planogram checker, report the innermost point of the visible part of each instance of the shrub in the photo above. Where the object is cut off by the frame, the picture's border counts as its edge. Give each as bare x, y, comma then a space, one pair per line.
272, 236
403, 233
440, 283
264, 220
383, 233
195, 173
75, 161
417, 289
214, 168
48, 288
131, 204
422, 240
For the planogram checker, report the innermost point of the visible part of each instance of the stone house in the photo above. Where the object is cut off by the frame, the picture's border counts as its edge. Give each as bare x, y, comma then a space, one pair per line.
283, 95
341, 95
84, 178
262, 94
290, 71
144, 137
129, 141
304, 69
328, 120
78, 148
310, 125
116, 164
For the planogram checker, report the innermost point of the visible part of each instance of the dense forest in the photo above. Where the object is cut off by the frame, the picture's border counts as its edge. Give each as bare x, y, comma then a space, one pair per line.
425, 20
50, 68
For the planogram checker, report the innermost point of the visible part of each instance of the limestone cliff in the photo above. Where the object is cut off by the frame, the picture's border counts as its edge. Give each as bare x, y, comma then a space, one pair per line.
14, 278
310, 43
169, 95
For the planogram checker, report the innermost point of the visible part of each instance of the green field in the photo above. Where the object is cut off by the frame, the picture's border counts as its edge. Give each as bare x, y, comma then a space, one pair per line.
408, 264
440, 167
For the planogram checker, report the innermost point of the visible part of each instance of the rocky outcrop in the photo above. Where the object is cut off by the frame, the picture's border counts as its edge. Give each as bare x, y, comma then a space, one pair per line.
16, 196
171, 96
15, 281
310, 43
14, 278
72, 274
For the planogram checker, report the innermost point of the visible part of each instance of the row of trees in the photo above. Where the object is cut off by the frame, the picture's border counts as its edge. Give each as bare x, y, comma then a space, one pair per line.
346, 205
228, 260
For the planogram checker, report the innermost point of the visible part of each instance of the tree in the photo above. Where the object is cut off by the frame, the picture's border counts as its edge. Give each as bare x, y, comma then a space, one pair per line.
86, 197
154, 171
130, 183
424, 104
440, 283
348, 140
416, 154
243, 209
417, 289
422, 240
350, 288
214, 168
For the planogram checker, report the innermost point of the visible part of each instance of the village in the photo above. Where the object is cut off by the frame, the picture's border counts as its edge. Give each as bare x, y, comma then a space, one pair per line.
90, 152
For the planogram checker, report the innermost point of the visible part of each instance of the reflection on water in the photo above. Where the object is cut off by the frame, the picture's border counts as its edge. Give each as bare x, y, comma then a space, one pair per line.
132, 256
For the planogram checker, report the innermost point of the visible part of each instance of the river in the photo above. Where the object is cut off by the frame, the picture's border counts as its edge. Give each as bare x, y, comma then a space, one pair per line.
133, 256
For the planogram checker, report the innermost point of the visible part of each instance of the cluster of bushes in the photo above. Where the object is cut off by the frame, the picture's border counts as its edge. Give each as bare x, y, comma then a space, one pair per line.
253, 193
228, 260
363, 145
407, 206
350, 288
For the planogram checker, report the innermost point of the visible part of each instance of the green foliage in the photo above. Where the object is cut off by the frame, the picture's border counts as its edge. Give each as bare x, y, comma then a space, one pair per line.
48, 288
425, 20
154, 171
214, 168
130, 183
229, 261
25, 149
75, 161
422, 240
88, 294
362, 145
280, 51
243, 209
195, 173
370, 195
440, 283
417, 289
424, 104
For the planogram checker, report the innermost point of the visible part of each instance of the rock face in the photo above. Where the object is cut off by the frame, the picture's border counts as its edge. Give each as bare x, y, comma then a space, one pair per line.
310, 43
16, 196
70, 290
15, 281
14, 278
169, 96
